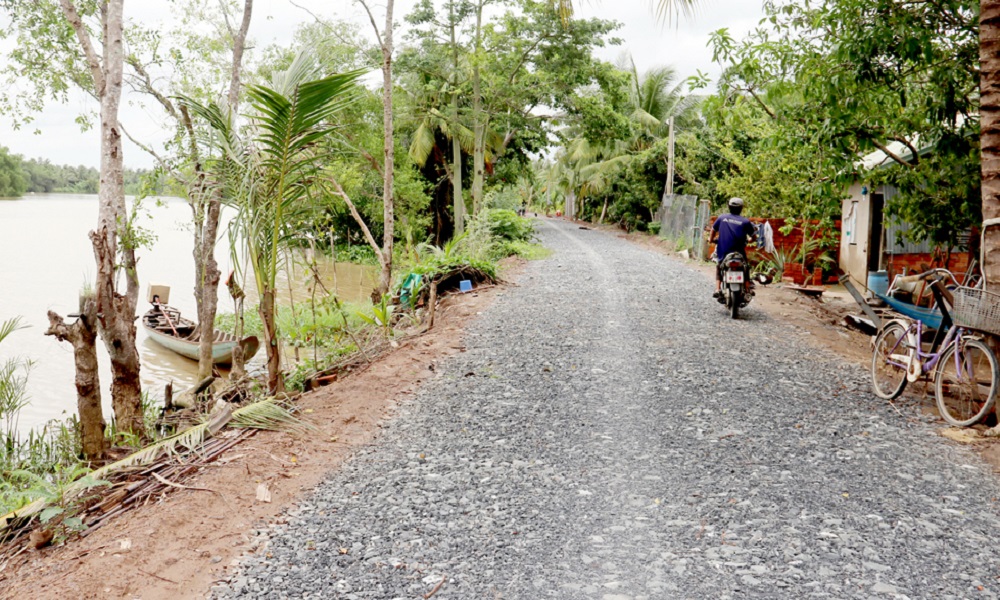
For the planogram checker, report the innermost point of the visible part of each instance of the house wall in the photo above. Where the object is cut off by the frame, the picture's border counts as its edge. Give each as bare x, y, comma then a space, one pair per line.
854, 249
899, 255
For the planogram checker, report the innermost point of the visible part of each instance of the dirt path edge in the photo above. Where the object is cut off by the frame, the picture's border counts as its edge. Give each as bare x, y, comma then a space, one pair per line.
186, 540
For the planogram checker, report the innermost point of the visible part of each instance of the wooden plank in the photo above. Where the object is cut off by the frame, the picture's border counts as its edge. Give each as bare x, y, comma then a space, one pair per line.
845, 280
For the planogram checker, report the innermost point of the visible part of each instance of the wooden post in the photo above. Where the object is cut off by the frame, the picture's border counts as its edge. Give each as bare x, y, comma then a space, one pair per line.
83, 336
432, 305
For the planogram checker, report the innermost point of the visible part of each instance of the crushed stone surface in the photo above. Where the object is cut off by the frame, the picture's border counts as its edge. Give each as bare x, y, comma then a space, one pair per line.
611, 433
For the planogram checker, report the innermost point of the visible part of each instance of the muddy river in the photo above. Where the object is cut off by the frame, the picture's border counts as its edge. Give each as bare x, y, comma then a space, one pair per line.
45, 258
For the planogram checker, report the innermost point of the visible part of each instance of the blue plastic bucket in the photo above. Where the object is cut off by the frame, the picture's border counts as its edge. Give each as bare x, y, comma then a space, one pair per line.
878, 282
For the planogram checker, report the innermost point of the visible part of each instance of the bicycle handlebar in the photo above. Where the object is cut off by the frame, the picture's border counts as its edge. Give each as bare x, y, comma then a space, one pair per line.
926, 275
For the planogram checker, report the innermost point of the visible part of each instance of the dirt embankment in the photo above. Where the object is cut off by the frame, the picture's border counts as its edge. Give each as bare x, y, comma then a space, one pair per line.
178, 545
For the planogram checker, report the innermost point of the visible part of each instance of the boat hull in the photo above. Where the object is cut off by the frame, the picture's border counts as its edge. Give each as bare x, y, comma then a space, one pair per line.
167, 328
222, 352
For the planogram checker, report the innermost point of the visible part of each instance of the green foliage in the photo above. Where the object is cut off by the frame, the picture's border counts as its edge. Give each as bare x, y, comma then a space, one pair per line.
12, 179
380, 315
356, 253
506, 225
827, 83
299, 325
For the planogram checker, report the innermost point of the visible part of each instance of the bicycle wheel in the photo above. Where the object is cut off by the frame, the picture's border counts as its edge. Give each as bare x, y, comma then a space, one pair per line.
889, 379
966, 389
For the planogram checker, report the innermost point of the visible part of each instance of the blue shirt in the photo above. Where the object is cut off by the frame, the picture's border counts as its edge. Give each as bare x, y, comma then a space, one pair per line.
734, 230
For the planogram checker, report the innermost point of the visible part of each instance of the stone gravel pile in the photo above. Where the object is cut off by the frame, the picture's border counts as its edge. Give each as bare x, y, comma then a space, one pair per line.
611, 433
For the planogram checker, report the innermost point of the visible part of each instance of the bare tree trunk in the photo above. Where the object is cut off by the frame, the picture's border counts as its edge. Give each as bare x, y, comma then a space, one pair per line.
207, 215
479, 127
387, 172
989, 136
275, 382
83, 336
456, 146
116, 312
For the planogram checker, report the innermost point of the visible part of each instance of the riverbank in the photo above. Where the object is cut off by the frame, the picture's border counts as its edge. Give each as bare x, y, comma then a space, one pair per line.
184, 541
48, 235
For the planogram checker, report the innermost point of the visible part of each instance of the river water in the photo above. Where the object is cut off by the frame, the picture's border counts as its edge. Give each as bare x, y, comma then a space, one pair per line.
46, 257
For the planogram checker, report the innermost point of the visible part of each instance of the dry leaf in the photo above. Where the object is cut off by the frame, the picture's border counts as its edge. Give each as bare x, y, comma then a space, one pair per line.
263, 494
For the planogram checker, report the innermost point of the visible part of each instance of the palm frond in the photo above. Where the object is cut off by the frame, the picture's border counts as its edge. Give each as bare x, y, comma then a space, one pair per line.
189, 439
422, 144
271, 415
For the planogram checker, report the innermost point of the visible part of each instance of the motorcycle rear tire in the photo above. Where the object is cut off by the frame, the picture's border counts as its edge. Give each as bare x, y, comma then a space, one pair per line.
735, 299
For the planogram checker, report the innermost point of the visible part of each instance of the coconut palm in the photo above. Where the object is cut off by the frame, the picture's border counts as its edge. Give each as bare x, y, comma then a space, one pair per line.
666, 11
656, 97
270, 169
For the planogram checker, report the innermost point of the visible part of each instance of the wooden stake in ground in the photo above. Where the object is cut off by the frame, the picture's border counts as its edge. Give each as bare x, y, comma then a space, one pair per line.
83, 336
432, 305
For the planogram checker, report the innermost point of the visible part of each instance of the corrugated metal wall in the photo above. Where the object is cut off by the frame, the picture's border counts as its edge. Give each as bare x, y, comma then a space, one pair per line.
894, 230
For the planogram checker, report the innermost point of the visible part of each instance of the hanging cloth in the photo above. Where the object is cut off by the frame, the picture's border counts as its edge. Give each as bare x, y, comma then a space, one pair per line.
768, 238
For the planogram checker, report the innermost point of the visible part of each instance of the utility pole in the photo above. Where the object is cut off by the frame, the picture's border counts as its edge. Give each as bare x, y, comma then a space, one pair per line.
670, 159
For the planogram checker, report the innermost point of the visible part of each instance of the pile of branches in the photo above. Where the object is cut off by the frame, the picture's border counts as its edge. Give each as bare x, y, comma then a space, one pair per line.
448, 280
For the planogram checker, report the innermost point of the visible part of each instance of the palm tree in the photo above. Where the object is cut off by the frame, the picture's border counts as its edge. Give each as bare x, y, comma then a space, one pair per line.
666, 11
272, 167
656, 97
989, 130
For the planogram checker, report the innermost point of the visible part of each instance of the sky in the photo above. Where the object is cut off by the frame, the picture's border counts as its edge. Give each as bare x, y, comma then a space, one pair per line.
681, 44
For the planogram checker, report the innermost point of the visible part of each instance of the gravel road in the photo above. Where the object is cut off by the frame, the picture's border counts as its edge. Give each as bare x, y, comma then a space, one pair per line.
612, 433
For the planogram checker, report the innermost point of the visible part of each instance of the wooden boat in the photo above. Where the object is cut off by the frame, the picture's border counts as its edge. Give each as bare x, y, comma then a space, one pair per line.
167, 327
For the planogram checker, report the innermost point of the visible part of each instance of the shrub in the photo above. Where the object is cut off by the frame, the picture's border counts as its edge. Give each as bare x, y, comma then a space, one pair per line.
507, 225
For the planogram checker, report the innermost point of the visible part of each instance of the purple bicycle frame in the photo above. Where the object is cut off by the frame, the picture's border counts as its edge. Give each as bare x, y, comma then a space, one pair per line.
954, 334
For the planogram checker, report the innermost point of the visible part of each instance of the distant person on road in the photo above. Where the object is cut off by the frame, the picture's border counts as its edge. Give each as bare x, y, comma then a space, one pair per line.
731, 233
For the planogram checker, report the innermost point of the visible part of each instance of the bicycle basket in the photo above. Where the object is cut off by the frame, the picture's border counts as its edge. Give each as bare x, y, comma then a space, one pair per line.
976, 309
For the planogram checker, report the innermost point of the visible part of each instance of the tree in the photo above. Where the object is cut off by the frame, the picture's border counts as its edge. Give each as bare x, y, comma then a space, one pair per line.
113, 250
12, 176
388, 153
989, 141
433, 119
185, 163
269, 170
849, 77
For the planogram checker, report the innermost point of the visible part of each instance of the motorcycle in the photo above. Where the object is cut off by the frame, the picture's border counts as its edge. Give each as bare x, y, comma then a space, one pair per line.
736, 290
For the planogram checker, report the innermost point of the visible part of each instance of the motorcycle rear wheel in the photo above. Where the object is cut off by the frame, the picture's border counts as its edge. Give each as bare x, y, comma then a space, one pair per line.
735, 299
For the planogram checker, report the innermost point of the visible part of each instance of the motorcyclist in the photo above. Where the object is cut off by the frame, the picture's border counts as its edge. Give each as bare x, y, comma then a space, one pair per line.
731, 232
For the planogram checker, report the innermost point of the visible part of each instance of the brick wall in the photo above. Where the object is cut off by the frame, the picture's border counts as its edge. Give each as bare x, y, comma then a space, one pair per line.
917, 263
788, 243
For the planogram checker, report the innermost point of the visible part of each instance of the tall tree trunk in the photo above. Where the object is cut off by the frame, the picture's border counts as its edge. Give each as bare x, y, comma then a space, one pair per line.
118, 322
116, 312
989, 136
275, 382
387, 172
456, 146
83, 336
479, 126
207, 215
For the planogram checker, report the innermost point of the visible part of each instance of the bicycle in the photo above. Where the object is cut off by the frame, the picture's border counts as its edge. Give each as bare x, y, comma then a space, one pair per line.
966, 372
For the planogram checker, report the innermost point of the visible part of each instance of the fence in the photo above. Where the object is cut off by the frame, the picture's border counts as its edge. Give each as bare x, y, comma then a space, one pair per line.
683, 218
